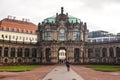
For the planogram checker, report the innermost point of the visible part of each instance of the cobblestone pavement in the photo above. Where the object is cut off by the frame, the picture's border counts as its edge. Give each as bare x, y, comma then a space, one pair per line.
61, 73
35, 74
89, 74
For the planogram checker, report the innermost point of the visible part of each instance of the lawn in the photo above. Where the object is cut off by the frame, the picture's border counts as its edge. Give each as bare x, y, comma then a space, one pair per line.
104, 68
18, 68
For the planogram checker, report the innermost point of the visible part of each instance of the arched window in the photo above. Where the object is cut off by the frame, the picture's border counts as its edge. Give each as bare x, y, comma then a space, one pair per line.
27, 52
19, 52
12, 53
97, 52
48, 34
111, 52
34, 52
118, 52
90, 52
6, 52
76, 34
62, 34
104, 52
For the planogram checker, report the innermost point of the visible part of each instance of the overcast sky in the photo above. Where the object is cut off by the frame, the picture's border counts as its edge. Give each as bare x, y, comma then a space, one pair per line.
99, 14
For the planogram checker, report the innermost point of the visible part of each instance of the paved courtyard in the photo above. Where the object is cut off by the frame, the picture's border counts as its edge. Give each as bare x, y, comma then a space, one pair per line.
59, 72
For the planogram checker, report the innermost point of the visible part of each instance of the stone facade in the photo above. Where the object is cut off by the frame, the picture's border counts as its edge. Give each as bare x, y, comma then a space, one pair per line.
62, 33
60, 38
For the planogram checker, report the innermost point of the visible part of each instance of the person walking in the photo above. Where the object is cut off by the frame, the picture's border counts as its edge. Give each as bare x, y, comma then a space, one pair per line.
68, 65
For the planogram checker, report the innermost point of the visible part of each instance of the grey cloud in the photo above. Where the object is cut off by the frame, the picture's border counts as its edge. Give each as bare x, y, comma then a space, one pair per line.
98, 3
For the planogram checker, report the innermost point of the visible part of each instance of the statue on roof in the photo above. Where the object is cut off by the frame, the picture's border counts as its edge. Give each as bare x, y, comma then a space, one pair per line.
62, 10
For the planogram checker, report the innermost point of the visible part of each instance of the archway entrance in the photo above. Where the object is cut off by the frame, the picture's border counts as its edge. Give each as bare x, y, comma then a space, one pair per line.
61, 55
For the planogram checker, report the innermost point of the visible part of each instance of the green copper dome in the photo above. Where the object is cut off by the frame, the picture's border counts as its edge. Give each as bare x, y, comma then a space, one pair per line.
50, 19
71, 19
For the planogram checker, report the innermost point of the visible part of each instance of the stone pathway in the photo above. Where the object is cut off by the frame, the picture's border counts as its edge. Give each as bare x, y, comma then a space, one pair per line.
61, 73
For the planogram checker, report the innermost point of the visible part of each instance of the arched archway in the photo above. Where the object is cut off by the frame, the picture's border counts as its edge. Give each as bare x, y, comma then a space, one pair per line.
62, 55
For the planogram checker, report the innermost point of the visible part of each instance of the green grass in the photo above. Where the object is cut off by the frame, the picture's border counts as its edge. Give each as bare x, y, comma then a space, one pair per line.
104, 68
18, 68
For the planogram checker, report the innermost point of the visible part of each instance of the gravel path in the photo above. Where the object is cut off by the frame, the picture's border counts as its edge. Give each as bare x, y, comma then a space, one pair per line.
36, 74
89, 74
40, 73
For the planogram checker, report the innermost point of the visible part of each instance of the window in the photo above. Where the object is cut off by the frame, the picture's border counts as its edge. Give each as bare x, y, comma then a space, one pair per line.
20, 37
10, 29
26, 38
15, 29
62, 34
9, 36
24, 31
76, 34
19, 30
28, 31
32, 38
33, 32
4, 28
47, 34
13, 37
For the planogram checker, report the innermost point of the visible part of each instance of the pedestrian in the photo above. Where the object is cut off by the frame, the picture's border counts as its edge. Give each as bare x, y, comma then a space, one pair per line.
68, 65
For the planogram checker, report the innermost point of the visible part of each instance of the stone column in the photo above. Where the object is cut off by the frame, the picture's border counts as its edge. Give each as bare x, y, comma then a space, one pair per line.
30, 55
2, 60
108, 53
16, 54
44, 56
9, 52
101, 54
114, 50
23, 55
23, 52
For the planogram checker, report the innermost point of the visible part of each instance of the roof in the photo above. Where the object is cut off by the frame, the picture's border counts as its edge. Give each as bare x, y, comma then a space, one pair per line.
71, 19
18, 22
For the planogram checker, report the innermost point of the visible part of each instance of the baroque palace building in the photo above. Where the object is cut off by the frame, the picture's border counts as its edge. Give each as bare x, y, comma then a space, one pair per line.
62, 37
57, 39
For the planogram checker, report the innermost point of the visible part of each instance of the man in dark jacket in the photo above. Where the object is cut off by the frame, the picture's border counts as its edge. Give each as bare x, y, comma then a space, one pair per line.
68, 66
